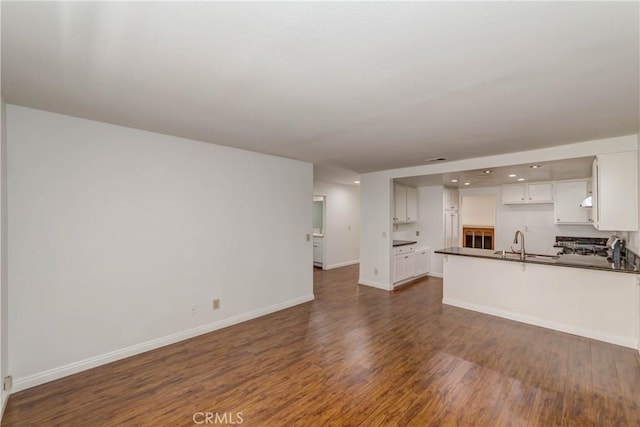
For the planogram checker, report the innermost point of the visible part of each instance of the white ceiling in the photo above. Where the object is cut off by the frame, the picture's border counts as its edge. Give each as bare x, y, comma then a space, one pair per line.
357, 86
557, 170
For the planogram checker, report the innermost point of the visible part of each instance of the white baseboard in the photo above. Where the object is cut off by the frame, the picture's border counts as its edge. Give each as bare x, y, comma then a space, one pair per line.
439, 275
5, 399
20, 384
341, 264
375, 285
570, 329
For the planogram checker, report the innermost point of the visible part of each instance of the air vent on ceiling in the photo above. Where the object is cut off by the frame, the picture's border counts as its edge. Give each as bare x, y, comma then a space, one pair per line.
436, 159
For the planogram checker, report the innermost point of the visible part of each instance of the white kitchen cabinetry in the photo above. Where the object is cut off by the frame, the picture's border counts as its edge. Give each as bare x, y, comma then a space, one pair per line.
422, 261
451, 199
404, 267
615, 192
405, 204
518, 194
317, 251
451, 229
412, 204
568, 196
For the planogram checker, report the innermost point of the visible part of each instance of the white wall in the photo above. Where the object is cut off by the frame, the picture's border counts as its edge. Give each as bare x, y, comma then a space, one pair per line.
376, 195
431, 223
116, 232
375, 231
342, 234
478, 211
4, 301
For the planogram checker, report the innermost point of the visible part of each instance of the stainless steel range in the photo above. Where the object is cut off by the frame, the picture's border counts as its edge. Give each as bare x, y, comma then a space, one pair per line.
594, 246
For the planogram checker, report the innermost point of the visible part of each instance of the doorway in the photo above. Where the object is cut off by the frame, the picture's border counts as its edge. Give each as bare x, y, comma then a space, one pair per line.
319, 228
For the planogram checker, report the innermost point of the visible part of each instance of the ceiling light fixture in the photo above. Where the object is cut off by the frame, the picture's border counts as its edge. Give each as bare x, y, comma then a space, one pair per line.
467, 183
488, 171
520, 179
535, 166
513, 175
454, 180
356, 182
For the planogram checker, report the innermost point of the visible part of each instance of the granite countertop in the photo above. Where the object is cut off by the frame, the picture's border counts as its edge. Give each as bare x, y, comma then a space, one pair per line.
568, 260
403, 242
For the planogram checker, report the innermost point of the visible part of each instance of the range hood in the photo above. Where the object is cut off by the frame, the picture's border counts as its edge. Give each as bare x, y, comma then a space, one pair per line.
587, 203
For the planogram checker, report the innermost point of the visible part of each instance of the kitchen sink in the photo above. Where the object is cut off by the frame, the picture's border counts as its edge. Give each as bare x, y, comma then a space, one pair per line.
539, 257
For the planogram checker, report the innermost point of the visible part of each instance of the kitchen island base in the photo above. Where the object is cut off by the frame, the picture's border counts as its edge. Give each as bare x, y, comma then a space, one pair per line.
594, 304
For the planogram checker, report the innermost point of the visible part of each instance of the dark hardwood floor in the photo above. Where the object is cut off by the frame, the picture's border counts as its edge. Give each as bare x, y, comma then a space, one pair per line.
355, 356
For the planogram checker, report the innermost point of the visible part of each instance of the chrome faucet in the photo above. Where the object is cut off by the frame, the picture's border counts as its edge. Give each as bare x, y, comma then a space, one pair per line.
515, 241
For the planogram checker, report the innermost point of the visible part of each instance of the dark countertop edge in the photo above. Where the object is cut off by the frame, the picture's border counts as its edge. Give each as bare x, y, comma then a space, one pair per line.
397, 243
529, 261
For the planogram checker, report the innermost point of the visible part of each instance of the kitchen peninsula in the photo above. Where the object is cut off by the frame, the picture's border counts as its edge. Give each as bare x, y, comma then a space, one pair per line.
568, 294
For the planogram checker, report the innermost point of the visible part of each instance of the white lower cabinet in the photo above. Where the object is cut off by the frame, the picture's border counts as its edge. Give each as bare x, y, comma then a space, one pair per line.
422, 261
404, 267
317, 251
410, 263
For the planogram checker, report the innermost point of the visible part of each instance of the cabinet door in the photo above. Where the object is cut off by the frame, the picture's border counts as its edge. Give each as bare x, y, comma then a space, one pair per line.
412, 204
451, 233
398, 268
451, 201
568, 195
618, 191
400, 196
513, 194
422, 262
594, 193
409, 265
540, 192
317, 252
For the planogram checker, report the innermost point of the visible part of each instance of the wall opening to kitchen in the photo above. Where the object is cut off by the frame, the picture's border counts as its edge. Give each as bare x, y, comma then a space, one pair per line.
319, 227
478, 218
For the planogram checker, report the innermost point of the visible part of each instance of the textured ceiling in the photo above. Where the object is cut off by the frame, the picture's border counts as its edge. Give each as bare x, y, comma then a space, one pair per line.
356, 86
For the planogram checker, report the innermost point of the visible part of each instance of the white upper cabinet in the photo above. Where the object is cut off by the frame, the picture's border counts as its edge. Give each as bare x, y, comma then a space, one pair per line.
539, 192
400, 198
514, 194
405, 204
568, 195
412, 204
451, 199
616, 192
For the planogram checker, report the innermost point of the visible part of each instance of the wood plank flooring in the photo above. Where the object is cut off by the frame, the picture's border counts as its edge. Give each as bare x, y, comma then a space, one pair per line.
354, 356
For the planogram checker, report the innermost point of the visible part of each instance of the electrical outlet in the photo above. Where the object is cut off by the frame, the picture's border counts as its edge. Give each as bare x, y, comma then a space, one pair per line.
194, 309
417, 232
216, 304
8, 383
375, 271
349, 228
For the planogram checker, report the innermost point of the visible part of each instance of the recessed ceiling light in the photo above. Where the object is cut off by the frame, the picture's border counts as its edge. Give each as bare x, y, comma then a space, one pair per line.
467, 183
488, 171
513, 175
535, 166
454, 180
520, 179
356, 182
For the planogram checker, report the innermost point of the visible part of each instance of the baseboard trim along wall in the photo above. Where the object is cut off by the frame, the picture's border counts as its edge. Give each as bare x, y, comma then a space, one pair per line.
375, 285
583, 332
341, 264
439, 275
20, 384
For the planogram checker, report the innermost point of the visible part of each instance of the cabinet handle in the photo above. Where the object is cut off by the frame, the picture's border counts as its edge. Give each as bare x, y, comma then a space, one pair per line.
406, 257
529, 198
522, 198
